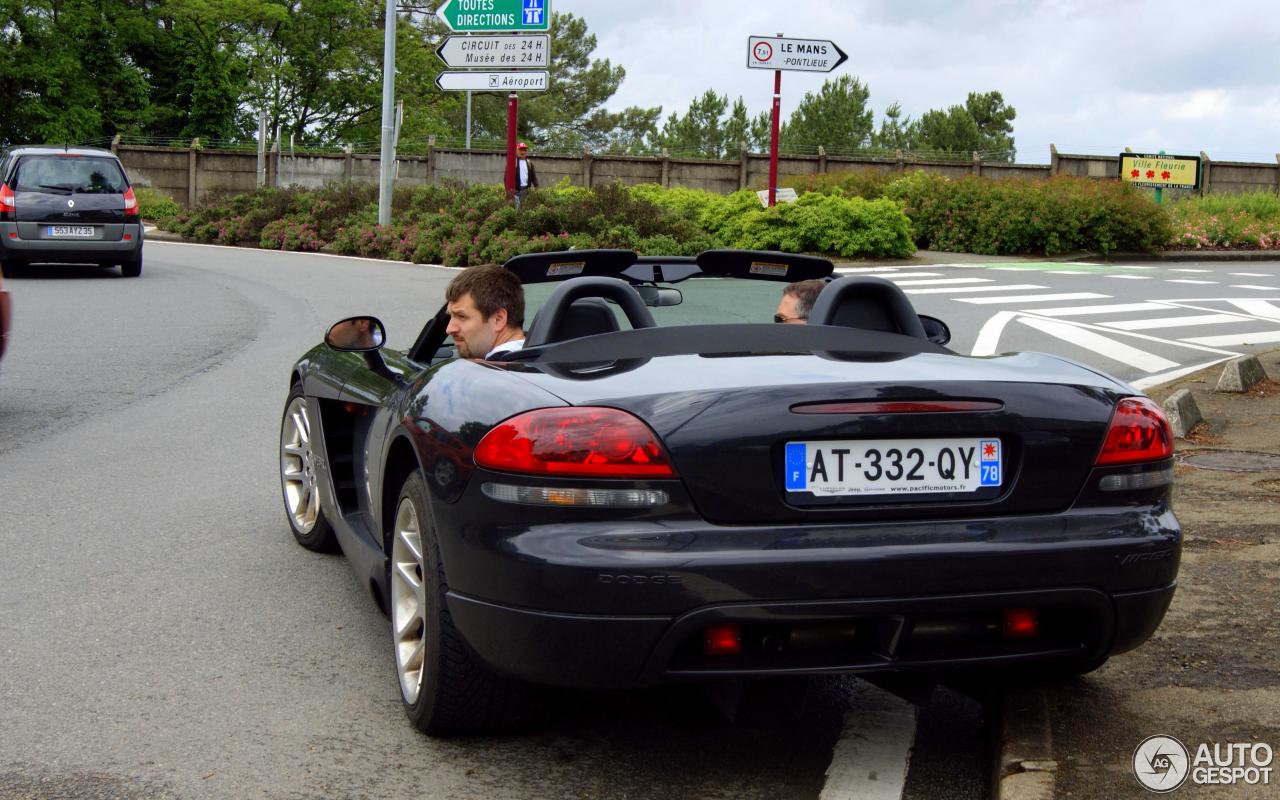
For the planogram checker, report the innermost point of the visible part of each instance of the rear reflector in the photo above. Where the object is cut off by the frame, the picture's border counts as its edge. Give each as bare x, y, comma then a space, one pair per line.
1137, 481
578, 441
897, 407
572, 496
1021, 623
722, 640
1138, 432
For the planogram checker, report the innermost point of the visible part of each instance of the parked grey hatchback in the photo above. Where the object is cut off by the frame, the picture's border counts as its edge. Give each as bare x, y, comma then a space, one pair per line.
68, 205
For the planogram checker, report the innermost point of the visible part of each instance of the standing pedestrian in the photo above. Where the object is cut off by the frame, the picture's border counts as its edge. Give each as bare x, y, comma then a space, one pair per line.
526, 175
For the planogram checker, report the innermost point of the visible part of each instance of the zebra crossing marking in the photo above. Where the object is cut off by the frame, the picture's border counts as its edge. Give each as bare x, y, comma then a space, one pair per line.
1251, 286
1102, 345
1188, 280
1188, 269
1070, 311
1251, 274
970, 289
1258, 308
1130, 277
943, 281
1237, 339
1176, 322
1034, 298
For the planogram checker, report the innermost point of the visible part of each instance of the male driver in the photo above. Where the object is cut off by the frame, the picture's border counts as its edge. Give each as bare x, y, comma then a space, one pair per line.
486, 312
526, 176
797, 300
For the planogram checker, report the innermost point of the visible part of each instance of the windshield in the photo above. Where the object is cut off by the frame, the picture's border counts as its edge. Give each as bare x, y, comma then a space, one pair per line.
69, 175
707, 301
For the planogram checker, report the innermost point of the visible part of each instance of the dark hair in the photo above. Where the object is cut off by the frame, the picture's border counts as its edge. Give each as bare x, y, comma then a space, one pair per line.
491, 287
805, 293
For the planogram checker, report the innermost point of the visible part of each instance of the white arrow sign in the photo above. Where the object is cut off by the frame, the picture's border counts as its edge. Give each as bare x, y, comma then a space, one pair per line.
533, 81
521, 51
801, 55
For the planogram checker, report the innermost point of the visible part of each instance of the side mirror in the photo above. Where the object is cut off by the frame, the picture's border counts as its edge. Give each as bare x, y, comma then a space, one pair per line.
357, 335
935, 329
660, 296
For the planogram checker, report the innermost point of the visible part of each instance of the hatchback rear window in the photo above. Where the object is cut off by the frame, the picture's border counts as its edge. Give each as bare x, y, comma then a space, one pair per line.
69, 175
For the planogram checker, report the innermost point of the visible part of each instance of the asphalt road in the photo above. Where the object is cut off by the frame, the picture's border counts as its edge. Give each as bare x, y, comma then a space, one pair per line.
161, 635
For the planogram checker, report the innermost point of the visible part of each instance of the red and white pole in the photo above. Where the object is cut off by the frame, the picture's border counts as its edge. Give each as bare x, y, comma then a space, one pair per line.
773, 138
512, 109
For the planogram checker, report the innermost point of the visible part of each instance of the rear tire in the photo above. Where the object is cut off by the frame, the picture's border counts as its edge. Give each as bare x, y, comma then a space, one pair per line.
445, 689
131, 269
298, 481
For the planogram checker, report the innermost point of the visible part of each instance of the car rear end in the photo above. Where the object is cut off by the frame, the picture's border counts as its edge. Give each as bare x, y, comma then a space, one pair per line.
689, 519
68, 206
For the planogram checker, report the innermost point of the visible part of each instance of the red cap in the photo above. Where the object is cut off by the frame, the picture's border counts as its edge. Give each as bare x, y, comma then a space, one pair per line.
522, 146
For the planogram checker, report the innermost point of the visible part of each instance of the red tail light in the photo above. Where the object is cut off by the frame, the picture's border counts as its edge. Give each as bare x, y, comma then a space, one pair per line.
1138, 432
8, 204
130, 203
588, 442
722, 640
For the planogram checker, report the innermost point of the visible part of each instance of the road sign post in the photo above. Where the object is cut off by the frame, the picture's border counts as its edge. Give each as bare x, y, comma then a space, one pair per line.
778, 54
495, 81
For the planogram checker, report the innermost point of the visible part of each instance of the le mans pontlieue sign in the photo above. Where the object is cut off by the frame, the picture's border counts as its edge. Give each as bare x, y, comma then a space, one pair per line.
1160, 172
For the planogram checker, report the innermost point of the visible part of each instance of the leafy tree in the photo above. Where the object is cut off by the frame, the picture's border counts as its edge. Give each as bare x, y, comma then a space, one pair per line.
896, 132
950, 131
836, 117
994, 120
701, 131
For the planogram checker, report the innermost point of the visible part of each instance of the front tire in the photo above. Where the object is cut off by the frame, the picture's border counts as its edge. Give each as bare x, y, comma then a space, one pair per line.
444, 689
298, 481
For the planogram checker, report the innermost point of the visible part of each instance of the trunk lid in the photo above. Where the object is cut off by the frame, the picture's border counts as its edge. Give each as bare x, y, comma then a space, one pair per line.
69, 190
727, 422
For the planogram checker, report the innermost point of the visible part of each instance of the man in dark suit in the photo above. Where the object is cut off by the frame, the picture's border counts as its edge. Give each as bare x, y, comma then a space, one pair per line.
526, 176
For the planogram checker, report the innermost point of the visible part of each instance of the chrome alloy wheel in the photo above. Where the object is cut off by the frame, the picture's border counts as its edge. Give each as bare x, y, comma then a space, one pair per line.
297, 467
408, 601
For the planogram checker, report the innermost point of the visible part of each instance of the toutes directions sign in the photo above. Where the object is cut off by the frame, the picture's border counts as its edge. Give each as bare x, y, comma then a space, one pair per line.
485, 16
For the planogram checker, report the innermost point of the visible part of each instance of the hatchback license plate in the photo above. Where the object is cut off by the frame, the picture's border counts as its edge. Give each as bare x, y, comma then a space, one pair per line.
892, 466
60, 231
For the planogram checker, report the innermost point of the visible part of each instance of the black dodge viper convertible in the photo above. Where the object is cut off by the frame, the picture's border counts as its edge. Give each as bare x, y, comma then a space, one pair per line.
663, 486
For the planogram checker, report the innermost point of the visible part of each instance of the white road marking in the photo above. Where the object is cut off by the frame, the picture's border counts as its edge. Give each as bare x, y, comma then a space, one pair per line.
895, 276
1251, 274
1258, 308
1068, 272
957, 289
1074, 311
852, 270
1185, 269
1164, 377
1251, 286
941, 281
1136, 266
1109, 348
989, 336
1187, 280
1175, 322
1237, 339
1034, 298
869, 761
1131, 277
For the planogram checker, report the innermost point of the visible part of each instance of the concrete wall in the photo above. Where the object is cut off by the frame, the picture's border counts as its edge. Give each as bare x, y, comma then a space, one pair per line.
193, 176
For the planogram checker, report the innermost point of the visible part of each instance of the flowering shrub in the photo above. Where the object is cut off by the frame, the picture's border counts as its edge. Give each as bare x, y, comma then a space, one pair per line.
1249, 221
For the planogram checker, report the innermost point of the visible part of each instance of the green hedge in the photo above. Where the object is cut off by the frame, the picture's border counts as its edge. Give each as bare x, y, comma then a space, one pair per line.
1250, 220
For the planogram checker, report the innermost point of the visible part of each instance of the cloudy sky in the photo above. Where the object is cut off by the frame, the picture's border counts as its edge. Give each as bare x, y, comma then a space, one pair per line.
1088, 76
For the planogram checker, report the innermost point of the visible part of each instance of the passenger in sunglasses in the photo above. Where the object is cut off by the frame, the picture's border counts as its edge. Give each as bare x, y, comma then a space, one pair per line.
796, 301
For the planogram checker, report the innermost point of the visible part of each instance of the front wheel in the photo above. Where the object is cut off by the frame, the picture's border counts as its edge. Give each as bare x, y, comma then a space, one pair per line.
298, 480
445, 690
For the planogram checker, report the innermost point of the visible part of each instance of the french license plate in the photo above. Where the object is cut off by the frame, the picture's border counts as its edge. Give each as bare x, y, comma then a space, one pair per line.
60, 231
892, 466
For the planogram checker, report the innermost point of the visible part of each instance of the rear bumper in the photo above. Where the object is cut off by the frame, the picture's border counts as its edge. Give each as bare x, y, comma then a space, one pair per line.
19, 242
863, 636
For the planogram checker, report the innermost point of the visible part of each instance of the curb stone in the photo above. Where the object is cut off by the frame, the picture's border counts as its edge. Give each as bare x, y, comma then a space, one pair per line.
1183, 413
1025, 767
1240, 374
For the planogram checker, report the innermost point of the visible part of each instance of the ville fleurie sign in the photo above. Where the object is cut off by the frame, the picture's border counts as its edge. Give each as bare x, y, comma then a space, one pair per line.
491, 16
497, 81
517, 51
1160, 172
801, 55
